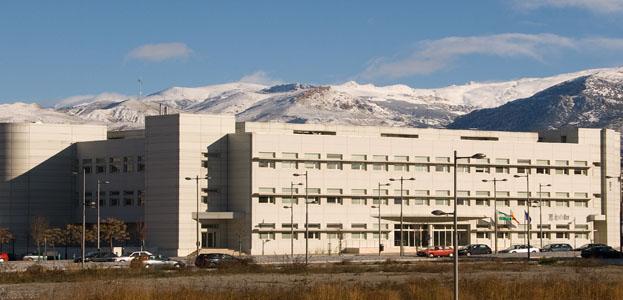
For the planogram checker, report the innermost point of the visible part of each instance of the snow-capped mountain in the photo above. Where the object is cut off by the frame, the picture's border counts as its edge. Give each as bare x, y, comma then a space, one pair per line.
347, 103
29, 112
594, 100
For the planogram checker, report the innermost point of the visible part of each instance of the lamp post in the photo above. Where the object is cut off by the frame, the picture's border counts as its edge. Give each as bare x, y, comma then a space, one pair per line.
196, 179
291, 207
495, 208
456, 222
541, 211
379, 207
306, 214
84, 213
402, 244
620, 180
527, 217
99, 183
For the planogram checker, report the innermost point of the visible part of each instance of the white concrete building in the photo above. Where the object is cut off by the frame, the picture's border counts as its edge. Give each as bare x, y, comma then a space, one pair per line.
245, 172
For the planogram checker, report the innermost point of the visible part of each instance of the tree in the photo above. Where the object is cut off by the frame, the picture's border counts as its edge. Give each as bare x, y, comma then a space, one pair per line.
38, 227
5, 237
114, 230
53, 237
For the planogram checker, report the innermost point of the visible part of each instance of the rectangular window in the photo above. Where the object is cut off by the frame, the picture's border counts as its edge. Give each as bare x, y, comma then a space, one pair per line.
114, 164
482, 193
379, 157
334, 226
266, 155
482, 202
481, 169
422, 159
482, 235
358, 226
400, 168
379, 167
266, 164
289, 165
334, 165
290, 226
420, 168
358, 201
267, 236
562, 195
358, 191
140, 198
313, 191
375, 201
288, 200
334, 200
289, 236
502, 161
266, 199
442, 202
462, 169
444, 167
358, 166
140, 163
462, 201
312, 165
313, 156
113, 198
289, 155
289, 191
420, 201
128, 198
562, 235
401, 158
502, 170
359, 157
580, 195
128, 164
334, 236
312, 235
100, 165
87, 165
581, 236
266, 190
334, 191
266, 225
358, 236
334, 156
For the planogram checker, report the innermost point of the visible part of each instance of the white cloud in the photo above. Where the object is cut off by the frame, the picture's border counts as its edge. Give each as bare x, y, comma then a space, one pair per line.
260, 77
160, 52
434, 55
597, 6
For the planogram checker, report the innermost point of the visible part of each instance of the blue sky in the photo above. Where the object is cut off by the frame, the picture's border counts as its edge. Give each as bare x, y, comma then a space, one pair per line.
50, 50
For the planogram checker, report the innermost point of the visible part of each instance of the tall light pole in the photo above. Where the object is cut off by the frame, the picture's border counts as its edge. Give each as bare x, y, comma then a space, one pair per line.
402, 244
84, 213
196, 179
527, 217
541, 211
620, 179
379, 207
306, 215
495, 208
456, 222
291, 207
99, 183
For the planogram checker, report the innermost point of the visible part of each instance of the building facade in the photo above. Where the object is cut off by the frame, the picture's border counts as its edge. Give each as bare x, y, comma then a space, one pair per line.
237, 180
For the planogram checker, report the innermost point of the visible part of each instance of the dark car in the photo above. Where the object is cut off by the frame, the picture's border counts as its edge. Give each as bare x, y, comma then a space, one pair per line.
475, 249
98, 256
213, 260
586, 246
601, 252
557, 248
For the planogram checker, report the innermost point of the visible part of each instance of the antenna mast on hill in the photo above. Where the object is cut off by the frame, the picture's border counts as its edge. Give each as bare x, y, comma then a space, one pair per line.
140, 89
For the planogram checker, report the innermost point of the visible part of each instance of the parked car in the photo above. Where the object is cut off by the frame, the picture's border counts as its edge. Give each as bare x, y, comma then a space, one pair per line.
133, 255
213, 260
556, 248
160, 261
475, 249
33, 257
586, 246
98, 256
4, 257
436, 252
601, 252
520, 249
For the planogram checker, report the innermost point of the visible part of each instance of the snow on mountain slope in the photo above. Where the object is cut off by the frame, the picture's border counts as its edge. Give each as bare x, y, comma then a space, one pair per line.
30, 112
349, 102
594, 100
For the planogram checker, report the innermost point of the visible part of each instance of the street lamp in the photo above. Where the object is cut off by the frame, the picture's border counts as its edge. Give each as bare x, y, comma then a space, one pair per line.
99, 183
456, 222
306, 214
401, 179
379, 207
291, 207
527, 217
495, 208
84, 213
541, 211
620, 180
196, 179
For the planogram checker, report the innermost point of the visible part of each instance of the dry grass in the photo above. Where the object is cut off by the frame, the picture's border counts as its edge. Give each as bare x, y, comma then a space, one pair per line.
555, 288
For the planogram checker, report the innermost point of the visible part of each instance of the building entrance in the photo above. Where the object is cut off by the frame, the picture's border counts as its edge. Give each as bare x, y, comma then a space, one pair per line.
428, 235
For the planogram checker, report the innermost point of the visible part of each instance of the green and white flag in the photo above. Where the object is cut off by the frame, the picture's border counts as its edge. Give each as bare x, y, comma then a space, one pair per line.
503, 216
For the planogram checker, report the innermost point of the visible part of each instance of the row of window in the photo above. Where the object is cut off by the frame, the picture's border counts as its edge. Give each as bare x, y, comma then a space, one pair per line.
116, 198
424, 202
537, 235
420, 193
112, 165
328, 235
419, 168
328, 226
421, 159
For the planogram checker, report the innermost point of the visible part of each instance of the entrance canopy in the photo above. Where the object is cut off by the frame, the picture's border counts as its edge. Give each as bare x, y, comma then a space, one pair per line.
430, 218
214, 215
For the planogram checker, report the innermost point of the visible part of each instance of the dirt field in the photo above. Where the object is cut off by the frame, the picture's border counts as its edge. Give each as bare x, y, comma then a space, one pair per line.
275, 282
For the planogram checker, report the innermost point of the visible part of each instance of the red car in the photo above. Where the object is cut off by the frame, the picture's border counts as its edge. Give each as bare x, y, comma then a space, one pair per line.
437, 252
4, 257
